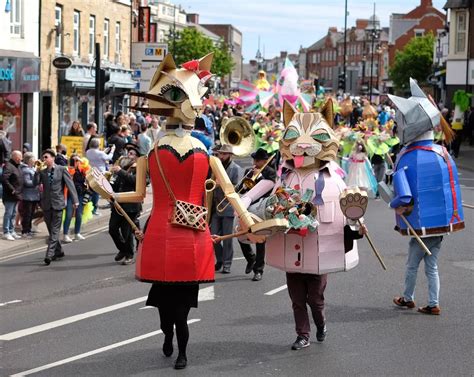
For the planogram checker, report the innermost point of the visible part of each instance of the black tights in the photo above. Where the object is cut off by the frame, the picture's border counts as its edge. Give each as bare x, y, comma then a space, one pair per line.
177, 316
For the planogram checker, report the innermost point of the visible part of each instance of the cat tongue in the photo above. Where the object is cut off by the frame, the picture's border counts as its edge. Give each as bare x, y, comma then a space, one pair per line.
298, 161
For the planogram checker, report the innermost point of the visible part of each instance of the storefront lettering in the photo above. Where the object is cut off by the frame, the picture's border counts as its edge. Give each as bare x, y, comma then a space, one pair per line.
7, 74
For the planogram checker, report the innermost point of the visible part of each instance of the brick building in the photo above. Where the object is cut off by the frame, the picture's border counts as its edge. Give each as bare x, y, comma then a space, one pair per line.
71, 29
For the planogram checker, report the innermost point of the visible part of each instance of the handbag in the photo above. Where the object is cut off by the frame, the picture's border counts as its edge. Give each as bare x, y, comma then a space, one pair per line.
185, 214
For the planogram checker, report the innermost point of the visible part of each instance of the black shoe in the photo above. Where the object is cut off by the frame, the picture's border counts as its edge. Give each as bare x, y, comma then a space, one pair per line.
321, 333
257, 276
58, 256
181, 362
119, 256
249, 267
217, 266
47, 261
300, 342
168, 346
226, 270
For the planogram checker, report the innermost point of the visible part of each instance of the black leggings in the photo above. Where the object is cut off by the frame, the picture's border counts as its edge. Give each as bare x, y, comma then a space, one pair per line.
178, 316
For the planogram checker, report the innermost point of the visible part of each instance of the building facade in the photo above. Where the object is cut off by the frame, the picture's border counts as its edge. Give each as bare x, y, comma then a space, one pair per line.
71, 29
20, 72
460, 60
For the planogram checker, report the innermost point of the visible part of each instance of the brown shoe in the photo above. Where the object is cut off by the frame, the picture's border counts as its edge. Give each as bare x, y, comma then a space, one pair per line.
400, 301
433, 310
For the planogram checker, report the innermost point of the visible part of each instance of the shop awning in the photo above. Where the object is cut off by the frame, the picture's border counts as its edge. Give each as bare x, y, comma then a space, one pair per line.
84, 77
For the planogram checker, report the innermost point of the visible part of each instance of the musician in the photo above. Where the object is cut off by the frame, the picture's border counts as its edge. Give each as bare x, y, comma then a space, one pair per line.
256, 260
124, 179
223, 218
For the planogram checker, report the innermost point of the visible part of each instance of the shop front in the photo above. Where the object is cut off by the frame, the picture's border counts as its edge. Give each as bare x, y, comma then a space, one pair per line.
77, 95
19, 88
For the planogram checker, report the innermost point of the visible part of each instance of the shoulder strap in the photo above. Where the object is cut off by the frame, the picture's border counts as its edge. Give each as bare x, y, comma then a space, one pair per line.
163, 175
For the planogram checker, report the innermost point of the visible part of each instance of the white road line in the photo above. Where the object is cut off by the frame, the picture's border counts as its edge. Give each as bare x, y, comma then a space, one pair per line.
205, 294
68, 320
276, 290
9, 302
94, 352
239, 258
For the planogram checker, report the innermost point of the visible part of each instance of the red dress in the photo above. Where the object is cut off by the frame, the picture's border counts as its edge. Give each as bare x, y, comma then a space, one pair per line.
171, 254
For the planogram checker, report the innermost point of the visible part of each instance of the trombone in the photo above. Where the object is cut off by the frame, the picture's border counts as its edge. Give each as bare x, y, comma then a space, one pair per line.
245, 183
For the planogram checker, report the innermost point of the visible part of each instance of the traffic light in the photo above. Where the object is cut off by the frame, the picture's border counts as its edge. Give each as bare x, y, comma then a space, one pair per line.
104, 77
341, 81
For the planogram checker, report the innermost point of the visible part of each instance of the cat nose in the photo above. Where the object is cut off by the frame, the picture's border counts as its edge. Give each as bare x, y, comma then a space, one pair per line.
304, 146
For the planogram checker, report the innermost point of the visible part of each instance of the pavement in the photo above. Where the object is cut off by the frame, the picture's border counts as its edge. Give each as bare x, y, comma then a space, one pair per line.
465, 159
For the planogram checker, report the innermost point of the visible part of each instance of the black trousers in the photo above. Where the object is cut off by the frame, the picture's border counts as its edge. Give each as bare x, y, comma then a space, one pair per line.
53, 219
176, 315
121, 231
27, 209
258, 257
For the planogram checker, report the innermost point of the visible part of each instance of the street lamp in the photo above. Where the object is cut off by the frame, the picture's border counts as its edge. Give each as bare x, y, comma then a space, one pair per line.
364, 60
372, 32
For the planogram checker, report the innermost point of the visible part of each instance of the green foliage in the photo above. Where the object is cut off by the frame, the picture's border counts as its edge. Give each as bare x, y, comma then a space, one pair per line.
191, 44
414, 61
462, 99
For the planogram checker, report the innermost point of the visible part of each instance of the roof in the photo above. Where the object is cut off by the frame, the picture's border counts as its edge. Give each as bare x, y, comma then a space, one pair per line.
453, 4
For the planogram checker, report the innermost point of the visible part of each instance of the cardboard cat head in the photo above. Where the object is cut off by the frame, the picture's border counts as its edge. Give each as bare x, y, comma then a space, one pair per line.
177, 92
309, 137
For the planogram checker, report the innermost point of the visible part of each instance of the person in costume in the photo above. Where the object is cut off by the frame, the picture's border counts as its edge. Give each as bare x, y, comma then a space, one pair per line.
426, 191
360, 172
256, 260
308, 253
262, 83
124, 176
176, 251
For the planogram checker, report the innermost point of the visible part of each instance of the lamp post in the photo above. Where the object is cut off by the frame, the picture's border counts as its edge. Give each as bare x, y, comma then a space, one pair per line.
345, 47
364, 60
373, 33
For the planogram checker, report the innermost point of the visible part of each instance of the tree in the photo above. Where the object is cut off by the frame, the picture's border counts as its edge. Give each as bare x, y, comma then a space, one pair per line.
414, 61
190, 44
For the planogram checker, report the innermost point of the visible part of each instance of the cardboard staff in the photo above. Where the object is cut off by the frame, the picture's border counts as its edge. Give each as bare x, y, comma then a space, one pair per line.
353, 203
101, 185
387, 195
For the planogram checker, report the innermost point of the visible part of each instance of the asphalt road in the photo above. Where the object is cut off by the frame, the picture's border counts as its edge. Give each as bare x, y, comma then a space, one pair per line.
85, 316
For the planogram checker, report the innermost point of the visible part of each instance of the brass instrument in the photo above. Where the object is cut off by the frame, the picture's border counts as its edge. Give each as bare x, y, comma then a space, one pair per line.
124, 162
40, 165
246, 183
238, 133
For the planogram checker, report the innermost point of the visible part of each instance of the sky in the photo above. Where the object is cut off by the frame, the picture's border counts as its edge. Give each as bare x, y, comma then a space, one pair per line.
285, 25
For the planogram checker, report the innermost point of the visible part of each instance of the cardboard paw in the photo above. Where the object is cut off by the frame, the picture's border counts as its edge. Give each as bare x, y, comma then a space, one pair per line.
353, 203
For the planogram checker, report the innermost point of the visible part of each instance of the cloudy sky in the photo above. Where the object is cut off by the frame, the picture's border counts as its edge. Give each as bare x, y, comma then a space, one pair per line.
285, 25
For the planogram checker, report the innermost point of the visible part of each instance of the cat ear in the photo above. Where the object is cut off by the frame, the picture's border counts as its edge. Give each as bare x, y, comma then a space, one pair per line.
205, 62
327, 111
288, 112
167, 64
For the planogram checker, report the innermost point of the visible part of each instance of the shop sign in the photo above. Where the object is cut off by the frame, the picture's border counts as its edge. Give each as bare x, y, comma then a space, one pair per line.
7, 74
62, 62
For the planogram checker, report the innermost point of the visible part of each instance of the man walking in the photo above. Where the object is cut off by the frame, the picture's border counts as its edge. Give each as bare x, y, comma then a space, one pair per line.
12, 181
53, 180
223, 219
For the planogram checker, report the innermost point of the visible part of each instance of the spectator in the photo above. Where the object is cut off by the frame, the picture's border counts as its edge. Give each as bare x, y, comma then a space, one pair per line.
153, 131
144, 141
110, 126
200, 133
118, 140
91, 132
12, 181
61, 151
76, 129
30, 195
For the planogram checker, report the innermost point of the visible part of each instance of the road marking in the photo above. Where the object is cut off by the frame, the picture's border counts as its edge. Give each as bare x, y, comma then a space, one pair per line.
94, 352
9, 302
68, 320
94, 232
239, 258
205, 294
276, 290
469, 265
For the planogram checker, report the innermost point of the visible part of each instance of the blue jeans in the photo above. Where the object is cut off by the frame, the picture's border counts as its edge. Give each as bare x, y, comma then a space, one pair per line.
78, 216
9, 216
95, 201
415, 255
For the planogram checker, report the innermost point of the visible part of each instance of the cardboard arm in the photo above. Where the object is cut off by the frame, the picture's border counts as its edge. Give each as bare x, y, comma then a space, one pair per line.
260, 189
403, 195
138, 195
228, 188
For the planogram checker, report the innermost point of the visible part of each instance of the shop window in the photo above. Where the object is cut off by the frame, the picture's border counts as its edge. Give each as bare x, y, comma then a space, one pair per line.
76, 33
16, 17
106, 39
58, 15
460, 33
10, 117
91, 35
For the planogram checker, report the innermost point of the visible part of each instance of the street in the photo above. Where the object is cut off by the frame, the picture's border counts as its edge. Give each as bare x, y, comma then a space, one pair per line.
85, 315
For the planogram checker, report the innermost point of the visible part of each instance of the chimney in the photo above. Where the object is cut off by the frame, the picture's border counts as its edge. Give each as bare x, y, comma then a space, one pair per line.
332, 29
426, 3
361, 23
193, 18
283, 54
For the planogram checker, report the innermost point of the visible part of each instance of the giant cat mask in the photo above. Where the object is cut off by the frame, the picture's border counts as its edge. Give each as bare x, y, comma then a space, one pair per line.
177, 92
308, 139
